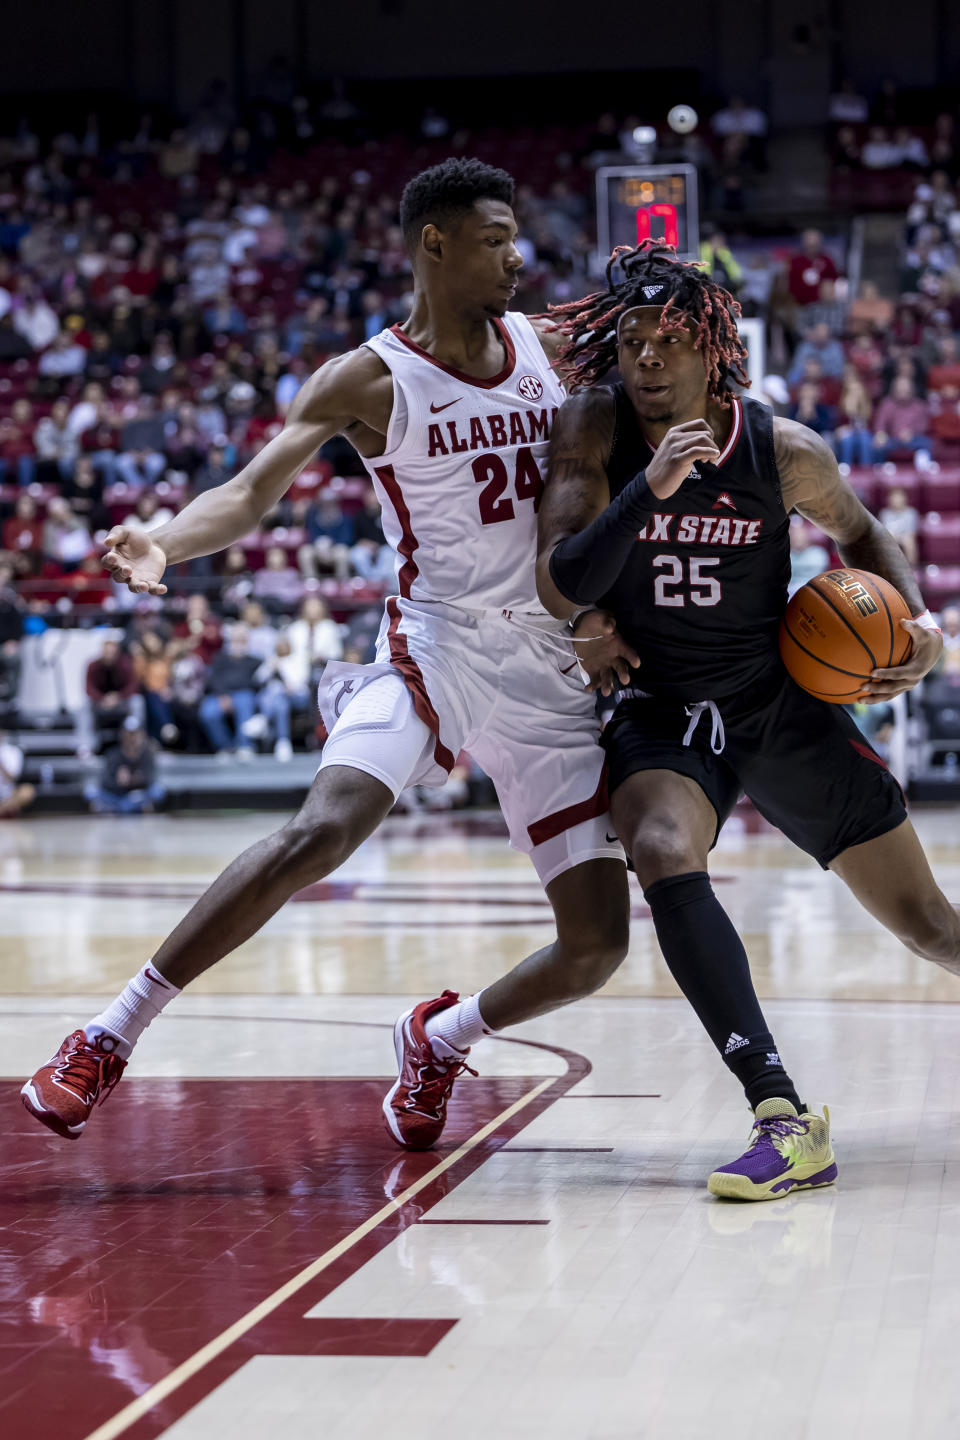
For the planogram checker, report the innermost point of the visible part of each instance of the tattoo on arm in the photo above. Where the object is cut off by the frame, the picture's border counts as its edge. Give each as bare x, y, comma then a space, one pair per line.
576, 487
812, 485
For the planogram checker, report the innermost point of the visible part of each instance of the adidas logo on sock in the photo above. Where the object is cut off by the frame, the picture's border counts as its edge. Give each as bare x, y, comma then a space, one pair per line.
774, 1059
736, 1042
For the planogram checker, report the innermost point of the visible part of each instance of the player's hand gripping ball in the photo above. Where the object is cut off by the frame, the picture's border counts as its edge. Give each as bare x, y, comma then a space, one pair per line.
840, 628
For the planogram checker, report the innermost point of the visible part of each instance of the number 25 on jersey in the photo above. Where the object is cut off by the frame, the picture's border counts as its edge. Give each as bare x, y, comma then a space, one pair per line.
670, 588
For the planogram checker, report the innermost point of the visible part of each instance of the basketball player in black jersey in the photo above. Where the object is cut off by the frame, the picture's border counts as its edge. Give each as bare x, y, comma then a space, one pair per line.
667, 506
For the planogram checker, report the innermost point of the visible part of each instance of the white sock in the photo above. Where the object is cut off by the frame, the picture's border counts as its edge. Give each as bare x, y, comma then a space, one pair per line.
126, 1018
454, 1030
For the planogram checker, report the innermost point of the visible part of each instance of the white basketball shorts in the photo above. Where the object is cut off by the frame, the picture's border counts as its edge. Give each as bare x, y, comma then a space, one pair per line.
448, 680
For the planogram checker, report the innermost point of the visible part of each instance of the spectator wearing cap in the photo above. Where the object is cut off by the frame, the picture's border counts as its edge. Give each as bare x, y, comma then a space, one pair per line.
809, 268
902, 424
128, 782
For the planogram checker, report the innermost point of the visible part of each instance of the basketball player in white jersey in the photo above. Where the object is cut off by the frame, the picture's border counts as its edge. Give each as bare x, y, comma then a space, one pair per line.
451, 412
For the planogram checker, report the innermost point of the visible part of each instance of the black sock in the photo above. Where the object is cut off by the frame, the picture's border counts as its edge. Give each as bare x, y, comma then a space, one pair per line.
706, 957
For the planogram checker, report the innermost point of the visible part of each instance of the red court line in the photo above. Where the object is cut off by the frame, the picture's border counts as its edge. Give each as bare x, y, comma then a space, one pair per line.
283, 1312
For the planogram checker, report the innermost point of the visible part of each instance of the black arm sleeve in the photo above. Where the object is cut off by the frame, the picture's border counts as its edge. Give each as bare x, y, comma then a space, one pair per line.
585, 566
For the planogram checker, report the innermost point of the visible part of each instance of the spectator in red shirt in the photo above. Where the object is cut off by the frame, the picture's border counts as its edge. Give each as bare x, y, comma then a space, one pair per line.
111, 682
867, 356
902, 424
809, 269
24, 531
945, 420
946, 371
200, 629
16, 443
143, 279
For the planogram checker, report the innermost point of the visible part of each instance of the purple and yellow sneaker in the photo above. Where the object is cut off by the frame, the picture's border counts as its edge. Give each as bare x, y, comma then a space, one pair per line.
786, 1152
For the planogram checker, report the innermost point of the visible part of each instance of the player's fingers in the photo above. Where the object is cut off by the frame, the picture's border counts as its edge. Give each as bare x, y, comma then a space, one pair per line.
116, 536
158, 589
629, 655
898, 674
699, 450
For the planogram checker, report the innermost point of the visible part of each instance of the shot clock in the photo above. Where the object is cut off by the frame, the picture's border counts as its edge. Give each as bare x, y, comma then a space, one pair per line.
648, 202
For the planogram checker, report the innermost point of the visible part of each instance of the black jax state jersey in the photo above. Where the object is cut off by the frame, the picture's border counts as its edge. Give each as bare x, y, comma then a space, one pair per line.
701, 596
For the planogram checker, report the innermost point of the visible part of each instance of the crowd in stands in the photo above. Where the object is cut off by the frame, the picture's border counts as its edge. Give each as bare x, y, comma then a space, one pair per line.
163, 297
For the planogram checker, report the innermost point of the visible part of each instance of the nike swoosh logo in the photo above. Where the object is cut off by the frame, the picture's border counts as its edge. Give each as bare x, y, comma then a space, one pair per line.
613, 839
435, 409
568, 669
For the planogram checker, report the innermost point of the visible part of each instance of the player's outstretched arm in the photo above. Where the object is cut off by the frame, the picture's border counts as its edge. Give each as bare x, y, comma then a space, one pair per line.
344, 390
813, 486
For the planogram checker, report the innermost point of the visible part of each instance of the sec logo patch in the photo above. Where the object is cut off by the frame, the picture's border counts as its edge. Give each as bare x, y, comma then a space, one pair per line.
530, 387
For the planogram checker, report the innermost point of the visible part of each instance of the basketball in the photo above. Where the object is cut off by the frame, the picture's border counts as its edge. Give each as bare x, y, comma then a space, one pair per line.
840, 627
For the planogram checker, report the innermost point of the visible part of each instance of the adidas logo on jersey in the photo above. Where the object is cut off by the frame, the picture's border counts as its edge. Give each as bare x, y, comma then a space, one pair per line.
694, 473
723, 499
736, 1042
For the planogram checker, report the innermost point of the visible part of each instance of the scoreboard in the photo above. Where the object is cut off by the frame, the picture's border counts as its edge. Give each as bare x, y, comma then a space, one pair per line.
648, 202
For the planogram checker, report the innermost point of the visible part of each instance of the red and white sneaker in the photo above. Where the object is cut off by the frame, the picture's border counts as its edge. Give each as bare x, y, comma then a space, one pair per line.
63, 1092
415, 1110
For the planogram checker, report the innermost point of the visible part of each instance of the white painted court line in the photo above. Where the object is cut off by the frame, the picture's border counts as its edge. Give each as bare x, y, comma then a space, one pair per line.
190, 1367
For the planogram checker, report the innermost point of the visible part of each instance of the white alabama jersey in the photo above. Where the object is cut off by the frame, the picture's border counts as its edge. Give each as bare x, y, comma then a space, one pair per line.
461, 477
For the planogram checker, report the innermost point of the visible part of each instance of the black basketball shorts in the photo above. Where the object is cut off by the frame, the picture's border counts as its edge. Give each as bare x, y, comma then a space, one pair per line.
803, 763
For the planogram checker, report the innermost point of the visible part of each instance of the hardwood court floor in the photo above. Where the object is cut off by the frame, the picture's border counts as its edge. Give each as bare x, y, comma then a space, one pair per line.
235, 1247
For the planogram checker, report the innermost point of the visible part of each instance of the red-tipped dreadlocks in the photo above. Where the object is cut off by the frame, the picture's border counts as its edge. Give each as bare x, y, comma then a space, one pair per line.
687, 294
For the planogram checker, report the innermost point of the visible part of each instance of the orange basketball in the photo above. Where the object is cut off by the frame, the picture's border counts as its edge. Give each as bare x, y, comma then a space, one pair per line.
840, 627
